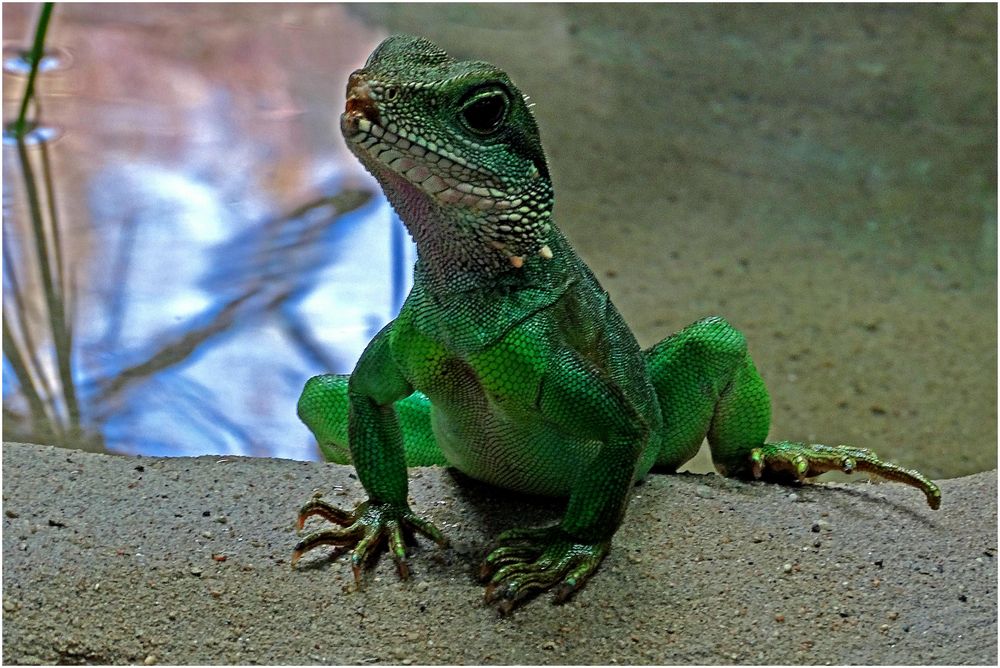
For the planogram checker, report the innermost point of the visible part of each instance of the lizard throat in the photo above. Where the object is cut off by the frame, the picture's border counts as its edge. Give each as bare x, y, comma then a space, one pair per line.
457, 213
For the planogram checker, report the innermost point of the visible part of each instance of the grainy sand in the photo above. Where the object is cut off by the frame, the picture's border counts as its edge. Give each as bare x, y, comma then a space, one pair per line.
120, 560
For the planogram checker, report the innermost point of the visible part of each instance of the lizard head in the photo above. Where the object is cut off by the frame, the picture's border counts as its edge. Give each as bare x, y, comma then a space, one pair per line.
451, 141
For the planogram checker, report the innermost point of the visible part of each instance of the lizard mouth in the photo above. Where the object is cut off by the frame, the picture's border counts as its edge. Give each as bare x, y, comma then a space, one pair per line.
444, 177
360, 107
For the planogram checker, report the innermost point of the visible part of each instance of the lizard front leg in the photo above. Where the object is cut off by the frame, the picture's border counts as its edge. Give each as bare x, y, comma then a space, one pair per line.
376, 445
582, 400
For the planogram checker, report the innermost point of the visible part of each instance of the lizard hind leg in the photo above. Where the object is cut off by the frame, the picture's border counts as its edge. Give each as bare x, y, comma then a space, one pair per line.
324, 408
708, 386
739, 426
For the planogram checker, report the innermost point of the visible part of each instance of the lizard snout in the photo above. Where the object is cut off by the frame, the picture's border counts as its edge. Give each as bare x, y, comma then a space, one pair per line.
359, 102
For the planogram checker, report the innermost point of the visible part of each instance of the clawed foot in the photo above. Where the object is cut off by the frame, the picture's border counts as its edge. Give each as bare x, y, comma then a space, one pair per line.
801, 460
529, 561
367, 528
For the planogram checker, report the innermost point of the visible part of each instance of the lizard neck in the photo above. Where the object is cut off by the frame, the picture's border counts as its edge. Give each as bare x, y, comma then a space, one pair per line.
454, 249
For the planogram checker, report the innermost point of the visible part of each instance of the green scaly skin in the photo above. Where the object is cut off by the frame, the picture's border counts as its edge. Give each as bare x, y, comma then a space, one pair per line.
508, 360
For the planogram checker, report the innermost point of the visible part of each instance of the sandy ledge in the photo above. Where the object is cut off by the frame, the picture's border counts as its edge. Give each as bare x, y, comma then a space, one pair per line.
110, 560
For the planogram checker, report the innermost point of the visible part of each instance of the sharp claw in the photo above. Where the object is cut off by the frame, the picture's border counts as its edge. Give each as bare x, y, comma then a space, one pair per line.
502, 595
933, 497
801, 465
564, 592
517, 592
757, 460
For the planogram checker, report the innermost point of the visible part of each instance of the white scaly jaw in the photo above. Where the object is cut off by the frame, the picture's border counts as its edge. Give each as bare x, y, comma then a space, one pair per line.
408, 156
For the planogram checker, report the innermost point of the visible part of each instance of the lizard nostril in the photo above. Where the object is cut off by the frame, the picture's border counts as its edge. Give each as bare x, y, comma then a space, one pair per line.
359, 100
358, 106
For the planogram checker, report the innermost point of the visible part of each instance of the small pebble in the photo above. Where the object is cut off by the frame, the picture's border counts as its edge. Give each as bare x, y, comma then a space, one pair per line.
704, 492
787, 568
150, 660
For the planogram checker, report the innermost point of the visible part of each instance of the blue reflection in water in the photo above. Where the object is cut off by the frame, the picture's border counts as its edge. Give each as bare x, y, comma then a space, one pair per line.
192, 339
249, 318
199, 306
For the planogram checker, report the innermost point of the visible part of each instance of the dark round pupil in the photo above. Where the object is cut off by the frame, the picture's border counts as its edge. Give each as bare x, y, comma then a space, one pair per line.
486, 113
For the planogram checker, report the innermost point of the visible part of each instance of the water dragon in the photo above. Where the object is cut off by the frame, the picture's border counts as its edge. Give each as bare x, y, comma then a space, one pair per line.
508, 360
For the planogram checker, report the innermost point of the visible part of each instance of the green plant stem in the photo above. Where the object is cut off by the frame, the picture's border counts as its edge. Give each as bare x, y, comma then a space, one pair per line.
37, 49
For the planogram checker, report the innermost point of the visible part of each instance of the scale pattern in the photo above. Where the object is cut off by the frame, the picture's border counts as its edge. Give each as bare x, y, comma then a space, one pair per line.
508, 360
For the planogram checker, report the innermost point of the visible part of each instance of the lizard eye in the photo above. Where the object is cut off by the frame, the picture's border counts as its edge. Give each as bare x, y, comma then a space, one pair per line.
391, 93
485, 110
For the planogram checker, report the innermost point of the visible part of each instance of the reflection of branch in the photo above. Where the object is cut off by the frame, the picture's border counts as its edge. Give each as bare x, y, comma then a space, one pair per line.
41, 422
259, 275
35, 380
62, 282
54, 298
121, 264
343, 202
179, 350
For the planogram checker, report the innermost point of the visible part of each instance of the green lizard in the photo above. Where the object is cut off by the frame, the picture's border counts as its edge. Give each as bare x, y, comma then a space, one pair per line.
508, 360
